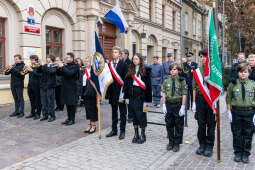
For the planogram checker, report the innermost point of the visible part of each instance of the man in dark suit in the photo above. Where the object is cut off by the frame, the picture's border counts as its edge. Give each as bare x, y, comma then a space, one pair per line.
119, 70
188, 68
69, 97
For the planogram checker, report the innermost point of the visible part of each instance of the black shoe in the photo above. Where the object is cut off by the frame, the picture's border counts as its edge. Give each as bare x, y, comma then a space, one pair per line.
245, 159
208, 152
122, 135
88, 129
69, 123
142, 137
63, 123
93, 129
29, 116
176, 148
169, 147
51, 119
36, 117
14, 114
200, 150
111, 134
44, 118
238, 158
20, 115
136, 138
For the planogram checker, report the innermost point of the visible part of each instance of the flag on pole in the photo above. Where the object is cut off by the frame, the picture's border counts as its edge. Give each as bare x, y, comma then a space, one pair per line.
213, 69
116, 17
101, 76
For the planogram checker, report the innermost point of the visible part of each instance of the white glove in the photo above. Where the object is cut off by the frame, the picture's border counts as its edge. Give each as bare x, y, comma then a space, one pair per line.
194, 108
182, 111
127, 101
164, 109
230, 116
254, 120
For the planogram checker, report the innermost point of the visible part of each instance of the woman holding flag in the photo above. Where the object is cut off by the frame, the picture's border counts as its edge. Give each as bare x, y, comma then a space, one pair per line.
137, 92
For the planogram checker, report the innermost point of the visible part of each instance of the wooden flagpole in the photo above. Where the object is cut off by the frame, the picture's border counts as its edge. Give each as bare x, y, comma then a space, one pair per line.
218, 132
99, 116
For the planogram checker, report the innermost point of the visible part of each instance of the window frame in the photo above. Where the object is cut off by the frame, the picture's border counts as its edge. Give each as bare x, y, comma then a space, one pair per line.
163, 14
174, 19
52, 44
3, 40
186, 18
194, 26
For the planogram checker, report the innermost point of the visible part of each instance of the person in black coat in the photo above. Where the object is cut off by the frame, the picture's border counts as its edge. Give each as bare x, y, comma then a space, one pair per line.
47, 85
33, 88
59, 107
69, 97
17, 85
79, 82
114, 92
138, 93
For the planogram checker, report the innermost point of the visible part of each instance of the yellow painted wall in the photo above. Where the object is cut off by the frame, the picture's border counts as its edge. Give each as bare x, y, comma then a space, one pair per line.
6, 96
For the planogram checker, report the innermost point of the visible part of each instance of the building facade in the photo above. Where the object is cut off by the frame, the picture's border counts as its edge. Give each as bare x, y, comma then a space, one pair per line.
56, 27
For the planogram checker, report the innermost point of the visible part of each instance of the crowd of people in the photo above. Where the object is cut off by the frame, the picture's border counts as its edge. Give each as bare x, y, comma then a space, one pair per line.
135, 85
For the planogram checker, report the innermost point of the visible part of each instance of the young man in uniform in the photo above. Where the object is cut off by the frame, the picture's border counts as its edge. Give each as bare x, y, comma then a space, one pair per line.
240, 104
166, 65
204, 116
173, 99
156, 81
17, 85
119, 70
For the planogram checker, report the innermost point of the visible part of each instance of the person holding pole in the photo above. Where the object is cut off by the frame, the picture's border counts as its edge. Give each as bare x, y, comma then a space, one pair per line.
90, 99
137, 92
204, 115
174, 99
240, 104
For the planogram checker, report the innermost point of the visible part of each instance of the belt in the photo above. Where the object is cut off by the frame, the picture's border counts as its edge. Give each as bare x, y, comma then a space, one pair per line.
242, 108
174, 101
155, 76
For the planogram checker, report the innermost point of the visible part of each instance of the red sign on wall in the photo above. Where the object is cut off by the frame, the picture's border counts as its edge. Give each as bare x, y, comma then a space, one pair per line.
32, 29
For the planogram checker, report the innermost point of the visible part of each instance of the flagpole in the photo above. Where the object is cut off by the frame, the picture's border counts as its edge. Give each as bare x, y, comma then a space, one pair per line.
218, 132
99, 116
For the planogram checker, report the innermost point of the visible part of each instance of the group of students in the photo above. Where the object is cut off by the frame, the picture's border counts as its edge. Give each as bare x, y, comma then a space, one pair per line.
132, 88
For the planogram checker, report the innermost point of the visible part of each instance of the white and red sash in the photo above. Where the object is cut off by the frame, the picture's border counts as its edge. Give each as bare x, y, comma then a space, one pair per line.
116, 75
87, 74
203, 88
139, 82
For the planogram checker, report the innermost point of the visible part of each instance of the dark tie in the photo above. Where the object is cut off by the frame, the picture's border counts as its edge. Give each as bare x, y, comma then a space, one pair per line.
173, 87
243, 91
114, 65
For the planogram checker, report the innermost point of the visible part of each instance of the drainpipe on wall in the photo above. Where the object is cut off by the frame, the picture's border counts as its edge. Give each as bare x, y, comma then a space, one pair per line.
181, 41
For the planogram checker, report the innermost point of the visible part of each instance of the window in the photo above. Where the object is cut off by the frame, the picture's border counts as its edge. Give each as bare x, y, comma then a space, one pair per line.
194, 26
186, 22
151, 9
2, 44
199, 29
174, 19
175, 54
163, 15
54, 41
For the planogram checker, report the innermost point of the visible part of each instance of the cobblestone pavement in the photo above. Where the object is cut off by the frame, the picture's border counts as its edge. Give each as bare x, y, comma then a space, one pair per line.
109, 153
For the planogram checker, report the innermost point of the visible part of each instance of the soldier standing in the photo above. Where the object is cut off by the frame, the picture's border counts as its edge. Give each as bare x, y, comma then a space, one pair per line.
204, 116
240, 103
166, 65
188, 67
173, 99
156, 81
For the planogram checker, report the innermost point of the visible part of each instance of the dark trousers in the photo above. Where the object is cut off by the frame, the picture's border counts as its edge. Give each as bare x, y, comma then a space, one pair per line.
206, 122
35, 100
156, 94
58, 97
189, 98
91, 109
130, 114
17, 93
174, 123
242, 130
71, 110
48, 101
123, 116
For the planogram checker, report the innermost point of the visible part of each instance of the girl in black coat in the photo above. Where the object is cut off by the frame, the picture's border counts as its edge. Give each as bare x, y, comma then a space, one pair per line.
79, 82
137, 92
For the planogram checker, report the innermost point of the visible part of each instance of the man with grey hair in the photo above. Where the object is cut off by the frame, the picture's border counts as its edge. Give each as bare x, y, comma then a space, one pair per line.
232, 76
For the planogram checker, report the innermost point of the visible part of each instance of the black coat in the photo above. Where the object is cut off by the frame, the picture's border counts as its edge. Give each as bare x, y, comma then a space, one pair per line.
189, 75
80, 82
114, 88
128, 87
58, 80
252, 75
70, 76
34, 78
89, 91
17, 80
48, 78
127, 61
